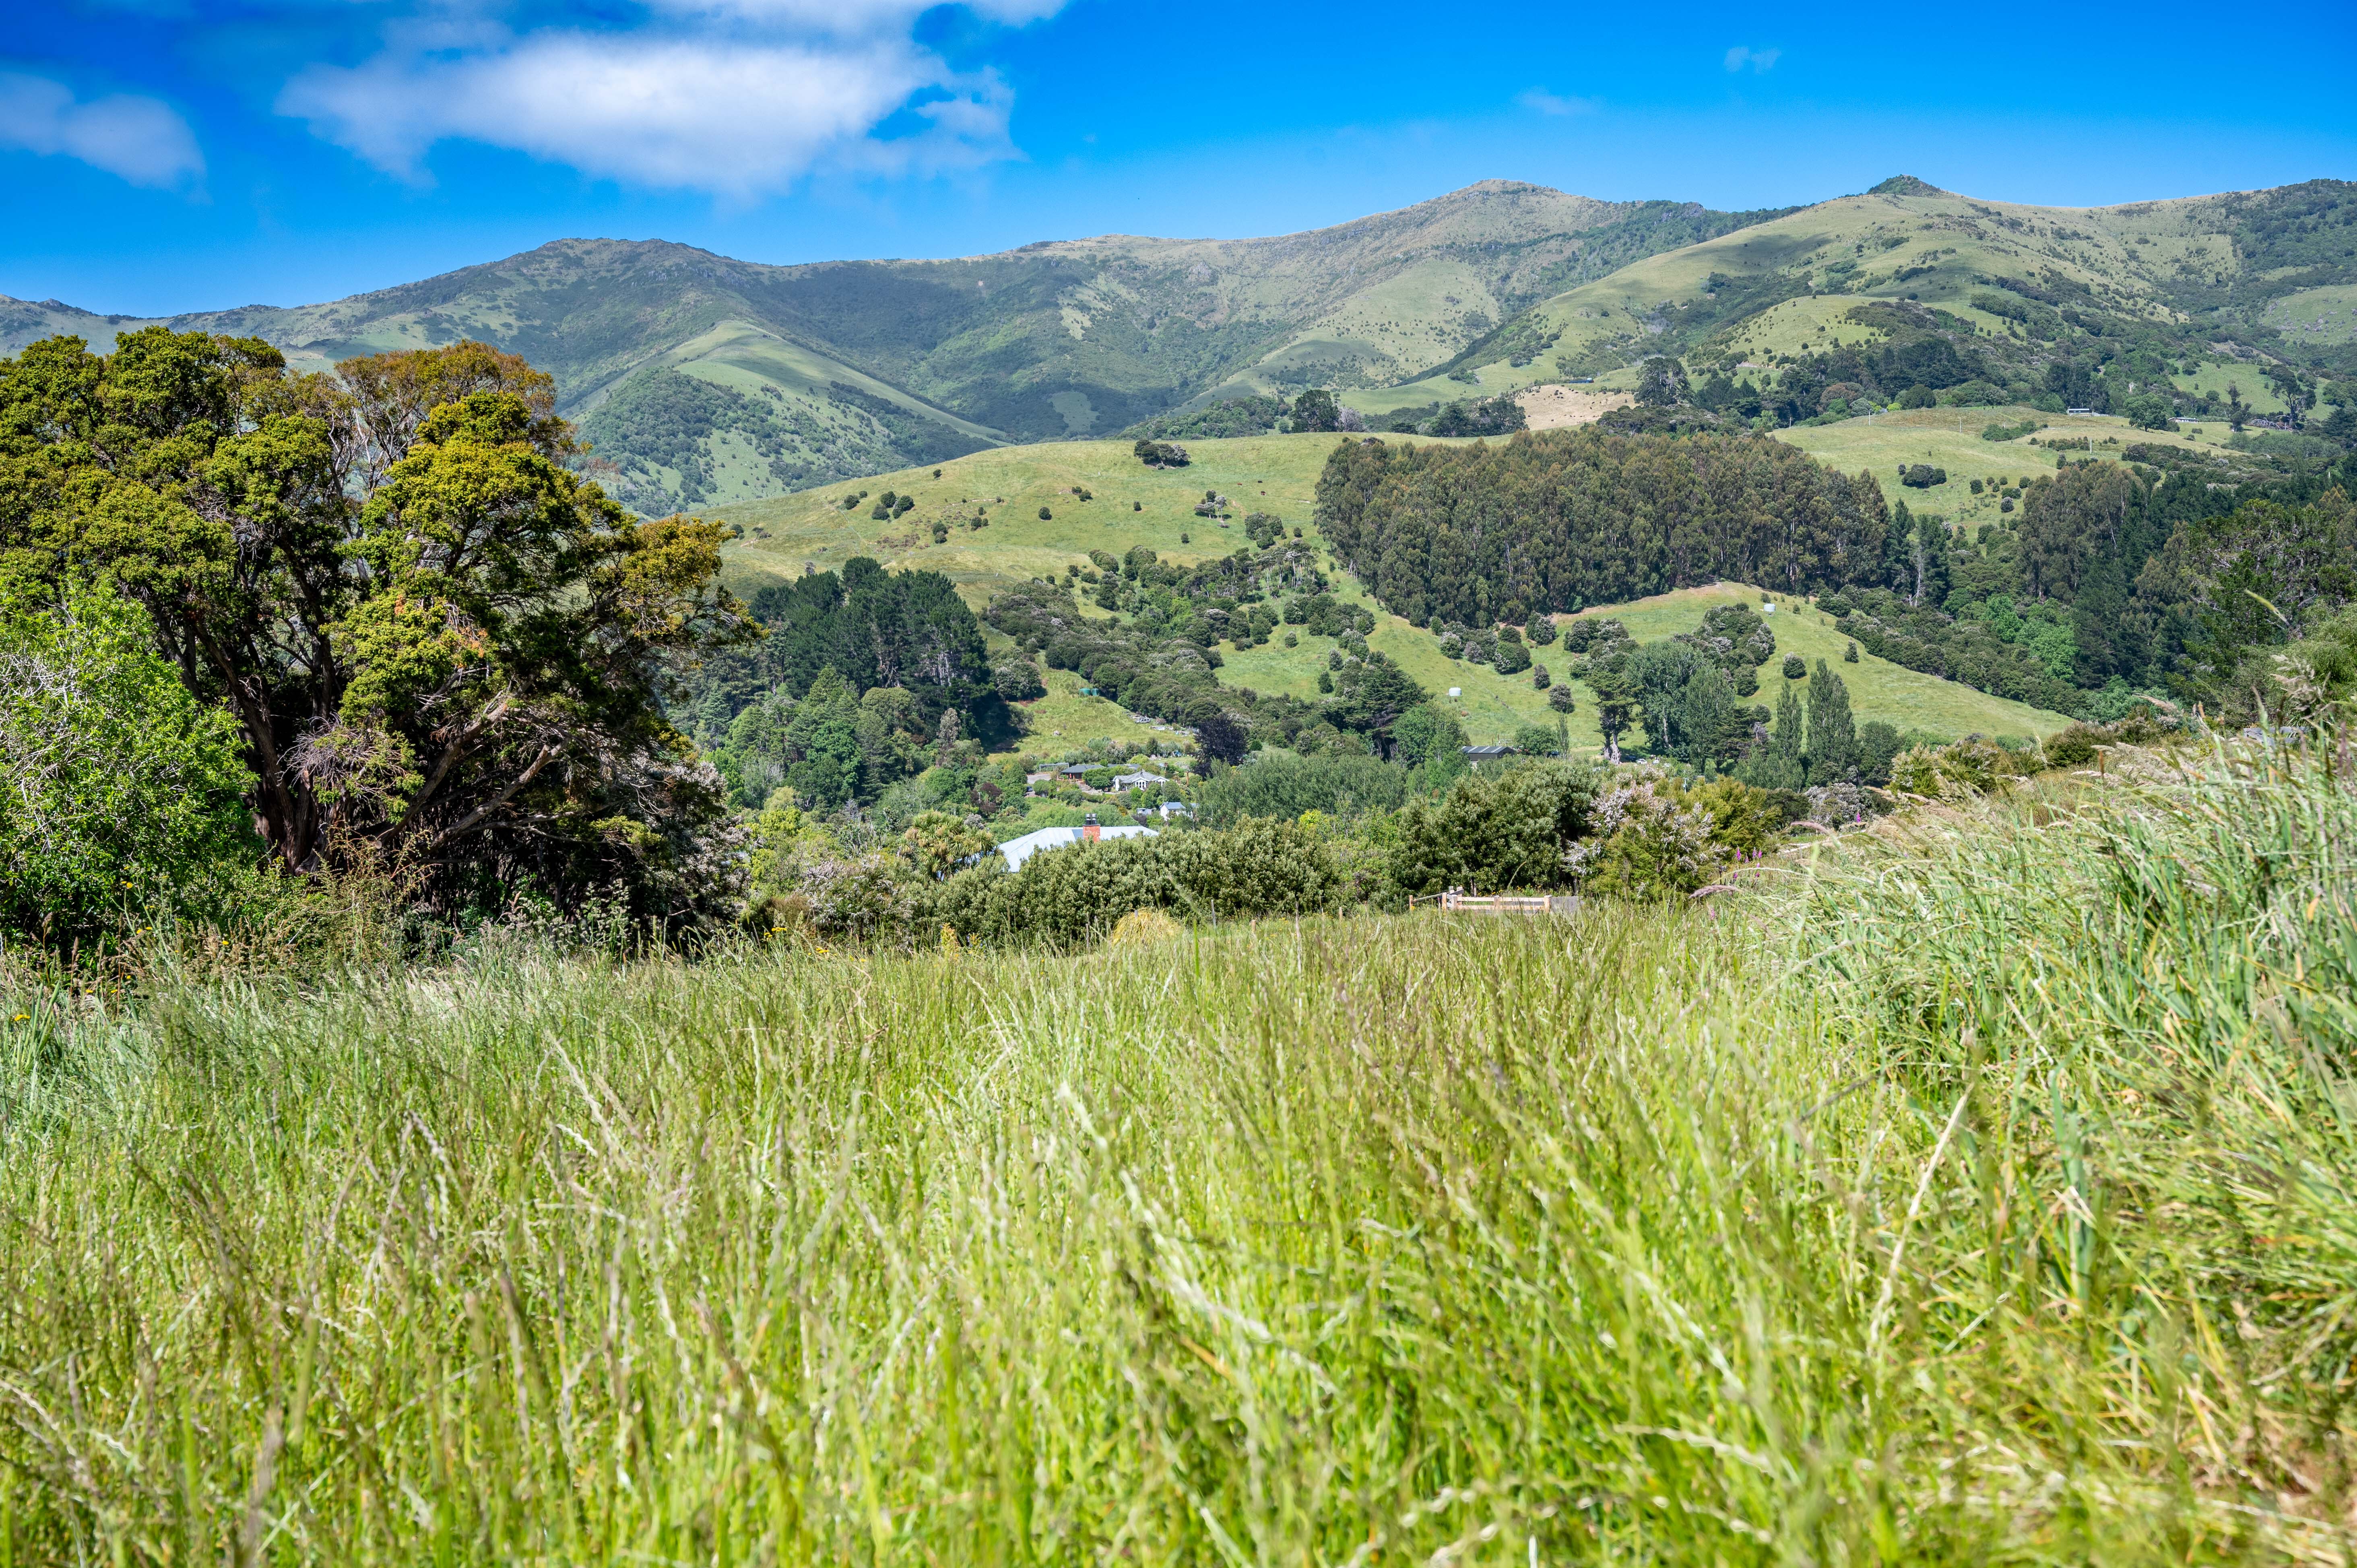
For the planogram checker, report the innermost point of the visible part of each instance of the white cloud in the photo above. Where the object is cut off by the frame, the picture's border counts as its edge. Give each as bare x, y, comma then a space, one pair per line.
735, 97
143, 140
1547, 102
1758, 59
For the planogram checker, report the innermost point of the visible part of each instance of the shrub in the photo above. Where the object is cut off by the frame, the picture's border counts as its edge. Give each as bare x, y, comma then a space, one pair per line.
1541, 631
1561, 699
2074, 747
1492, 832
1922, 475
1017, 678
1958, 772
1334, 784
1046, 516
1918, 396
1534, 740
1511, 657
1795, 666
1066, 898
1539, 679
1849, 654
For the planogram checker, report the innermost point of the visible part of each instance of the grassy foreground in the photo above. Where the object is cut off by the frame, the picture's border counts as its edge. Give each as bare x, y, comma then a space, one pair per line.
1978, 1193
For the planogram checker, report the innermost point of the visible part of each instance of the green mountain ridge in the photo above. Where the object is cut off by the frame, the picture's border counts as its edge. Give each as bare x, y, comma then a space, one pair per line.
703, 381
2254, 278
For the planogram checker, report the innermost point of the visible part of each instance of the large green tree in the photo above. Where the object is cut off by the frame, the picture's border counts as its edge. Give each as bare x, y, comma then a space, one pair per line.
1833, 753
441, 645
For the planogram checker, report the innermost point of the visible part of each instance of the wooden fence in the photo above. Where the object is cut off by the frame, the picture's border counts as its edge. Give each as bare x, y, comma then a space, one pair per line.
1455, 903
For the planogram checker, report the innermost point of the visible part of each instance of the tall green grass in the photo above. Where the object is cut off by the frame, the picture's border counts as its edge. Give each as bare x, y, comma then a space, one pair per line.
1980, 1195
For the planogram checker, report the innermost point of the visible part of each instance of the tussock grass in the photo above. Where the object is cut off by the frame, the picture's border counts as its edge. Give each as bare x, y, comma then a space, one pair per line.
1979, 1195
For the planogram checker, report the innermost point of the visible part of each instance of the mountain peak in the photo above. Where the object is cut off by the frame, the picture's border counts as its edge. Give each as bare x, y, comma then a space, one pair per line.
1906, 184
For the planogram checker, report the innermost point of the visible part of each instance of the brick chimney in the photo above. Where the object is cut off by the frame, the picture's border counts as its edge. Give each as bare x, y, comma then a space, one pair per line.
1089, 829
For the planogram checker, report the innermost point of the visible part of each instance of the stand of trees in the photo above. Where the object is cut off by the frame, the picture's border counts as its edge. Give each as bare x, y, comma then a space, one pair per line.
442, 651
1559, 519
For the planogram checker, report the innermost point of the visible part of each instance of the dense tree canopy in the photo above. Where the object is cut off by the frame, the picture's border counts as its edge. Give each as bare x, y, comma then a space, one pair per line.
439, 644
1567, 518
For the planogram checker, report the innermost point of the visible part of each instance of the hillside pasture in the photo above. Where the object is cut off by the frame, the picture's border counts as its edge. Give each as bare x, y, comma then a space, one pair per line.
1279, 474
1903, 698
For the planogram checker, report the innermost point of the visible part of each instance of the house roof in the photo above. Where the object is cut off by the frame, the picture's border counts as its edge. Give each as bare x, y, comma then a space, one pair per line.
1485, 753
1017, 851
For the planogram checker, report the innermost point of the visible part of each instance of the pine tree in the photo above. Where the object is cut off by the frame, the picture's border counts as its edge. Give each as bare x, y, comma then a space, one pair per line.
1833, 736
1782, 764
1928, 558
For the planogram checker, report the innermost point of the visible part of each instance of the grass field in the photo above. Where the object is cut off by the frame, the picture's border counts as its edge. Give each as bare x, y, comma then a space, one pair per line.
1974, 1191
1279, 474
1950, 438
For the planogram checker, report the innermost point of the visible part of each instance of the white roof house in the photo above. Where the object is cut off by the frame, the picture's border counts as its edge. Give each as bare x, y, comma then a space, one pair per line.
1017, 851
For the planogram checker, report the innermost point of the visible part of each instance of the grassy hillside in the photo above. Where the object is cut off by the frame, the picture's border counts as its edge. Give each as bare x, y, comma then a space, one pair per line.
1278, 474
1971, 1189
2235, 279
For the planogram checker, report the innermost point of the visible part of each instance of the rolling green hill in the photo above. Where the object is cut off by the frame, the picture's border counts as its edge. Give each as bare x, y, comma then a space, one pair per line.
1134, 505
704, 379
2209, 284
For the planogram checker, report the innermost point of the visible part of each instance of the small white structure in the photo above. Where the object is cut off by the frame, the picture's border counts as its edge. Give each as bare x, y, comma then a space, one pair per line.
1456, 691
1139, 780
1767, 610
1017, 851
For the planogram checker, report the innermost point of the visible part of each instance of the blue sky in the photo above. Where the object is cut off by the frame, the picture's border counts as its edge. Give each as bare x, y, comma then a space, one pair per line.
174, 154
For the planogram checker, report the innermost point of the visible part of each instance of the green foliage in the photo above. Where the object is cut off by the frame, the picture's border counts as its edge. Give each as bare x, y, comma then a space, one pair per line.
1662, 384
2252, 581
1833, 747
1220, 421
1316, 410
1067, 897
1918, 396
1535, 740
937, 843
118, 790
1337, 786
1795, 666
1879, 745
441, 647
2150, 411
906, 632
1961, 771
1492, 832
1573, 517
1428, 736
1500, 415
1160, 455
